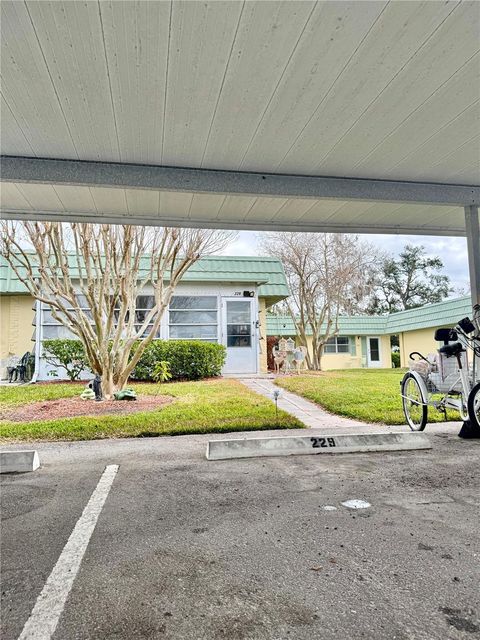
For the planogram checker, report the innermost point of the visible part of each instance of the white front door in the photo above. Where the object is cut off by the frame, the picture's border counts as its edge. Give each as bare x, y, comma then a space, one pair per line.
373, 352
239, 335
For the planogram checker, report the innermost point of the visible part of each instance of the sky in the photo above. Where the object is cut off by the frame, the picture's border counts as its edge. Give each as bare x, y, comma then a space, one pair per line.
452, 251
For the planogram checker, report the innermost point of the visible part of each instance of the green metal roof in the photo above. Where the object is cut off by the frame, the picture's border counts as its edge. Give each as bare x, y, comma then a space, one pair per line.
266, 272
348, 325
446, 313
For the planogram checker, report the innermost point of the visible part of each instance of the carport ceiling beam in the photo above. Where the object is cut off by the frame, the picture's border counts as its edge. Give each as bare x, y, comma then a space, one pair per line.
160, 178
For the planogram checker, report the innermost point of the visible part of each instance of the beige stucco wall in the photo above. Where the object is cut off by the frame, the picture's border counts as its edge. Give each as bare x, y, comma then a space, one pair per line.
420, 340
341, 360
349, 361
262, 334
16, 329
385, 352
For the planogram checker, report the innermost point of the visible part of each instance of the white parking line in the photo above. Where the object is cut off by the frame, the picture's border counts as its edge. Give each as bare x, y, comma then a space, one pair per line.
44, 618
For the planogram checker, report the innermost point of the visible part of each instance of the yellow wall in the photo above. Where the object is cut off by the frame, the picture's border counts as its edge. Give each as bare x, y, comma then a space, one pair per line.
420, 340
262, 317
357, 361
341, 360
16, 329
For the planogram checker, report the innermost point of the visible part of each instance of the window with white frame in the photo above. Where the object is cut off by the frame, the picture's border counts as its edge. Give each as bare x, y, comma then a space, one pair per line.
54, 329
193, 318
337, 344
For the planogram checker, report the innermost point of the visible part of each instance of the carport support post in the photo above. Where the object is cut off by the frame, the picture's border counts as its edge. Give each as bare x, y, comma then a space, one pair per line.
472, 227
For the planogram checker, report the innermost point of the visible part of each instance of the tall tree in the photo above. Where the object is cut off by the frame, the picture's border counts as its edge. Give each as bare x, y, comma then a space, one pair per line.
411, 281
328, 275
91, 275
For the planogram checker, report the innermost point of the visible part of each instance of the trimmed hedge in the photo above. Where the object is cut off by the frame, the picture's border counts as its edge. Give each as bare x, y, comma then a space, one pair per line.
188, 359
66, 354
395, 359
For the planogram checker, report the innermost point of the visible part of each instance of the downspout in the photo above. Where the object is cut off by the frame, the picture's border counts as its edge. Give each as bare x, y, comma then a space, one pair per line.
38, 341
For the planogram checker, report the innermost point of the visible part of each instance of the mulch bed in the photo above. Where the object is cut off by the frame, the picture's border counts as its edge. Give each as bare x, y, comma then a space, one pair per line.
71, 407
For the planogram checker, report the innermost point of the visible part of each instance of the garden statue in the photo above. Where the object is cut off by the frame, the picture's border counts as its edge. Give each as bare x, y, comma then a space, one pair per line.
279, 352
87, 393
290, 345
278, 358
299, 355
125, 394
287, 356
97, 388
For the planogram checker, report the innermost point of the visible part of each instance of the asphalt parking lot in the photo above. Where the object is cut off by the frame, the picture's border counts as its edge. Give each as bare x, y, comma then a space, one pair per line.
189, 549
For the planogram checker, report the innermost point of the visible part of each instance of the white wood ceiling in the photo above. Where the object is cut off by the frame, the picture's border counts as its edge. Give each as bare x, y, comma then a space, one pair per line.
373, 89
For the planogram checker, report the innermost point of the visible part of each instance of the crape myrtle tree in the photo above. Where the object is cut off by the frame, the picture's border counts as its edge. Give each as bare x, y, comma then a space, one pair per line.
329, 274
90, 276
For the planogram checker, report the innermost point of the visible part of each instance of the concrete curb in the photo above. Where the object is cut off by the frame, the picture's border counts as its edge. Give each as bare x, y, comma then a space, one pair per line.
312, 445
18, 461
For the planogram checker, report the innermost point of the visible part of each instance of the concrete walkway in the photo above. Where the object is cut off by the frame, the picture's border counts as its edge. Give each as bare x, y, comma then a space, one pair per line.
315, 417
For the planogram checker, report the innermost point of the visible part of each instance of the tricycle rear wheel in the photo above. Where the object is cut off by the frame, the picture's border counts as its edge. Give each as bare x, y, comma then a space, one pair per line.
414, 403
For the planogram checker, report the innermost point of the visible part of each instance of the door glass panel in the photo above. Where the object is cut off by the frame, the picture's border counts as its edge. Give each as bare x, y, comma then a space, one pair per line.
374, 350
238, 311
239, 326
239, 341
238, 330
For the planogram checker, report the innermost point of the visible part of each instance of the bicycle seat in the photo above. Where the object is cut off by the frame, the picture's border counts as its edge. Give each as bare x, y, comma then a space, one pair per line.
451, 349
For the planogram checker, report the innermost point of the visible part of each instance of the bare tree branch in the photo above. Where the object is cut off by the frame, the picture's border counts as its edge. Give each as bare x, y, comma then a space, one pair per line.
327, 276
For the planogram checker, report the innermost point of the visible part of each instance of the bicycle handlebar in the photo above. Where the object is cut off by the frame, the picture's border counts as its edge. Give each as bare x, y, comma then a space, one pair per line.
417, 353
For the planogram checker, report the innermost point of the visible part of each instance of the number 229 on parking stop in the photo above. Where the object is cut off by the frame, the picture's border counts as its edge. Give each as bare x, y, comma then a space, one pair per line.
323, 442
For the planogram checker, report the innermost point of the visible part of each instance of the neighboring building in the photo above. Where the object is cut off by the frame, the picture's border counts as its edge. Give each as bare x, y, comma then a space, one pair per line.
220, 299
361, 341
416, 327
364, 341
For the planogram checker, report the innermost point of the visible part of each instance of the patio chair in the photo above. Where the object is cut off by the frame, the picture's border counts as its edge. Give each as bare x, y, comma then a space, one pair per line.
18, 369
12, 365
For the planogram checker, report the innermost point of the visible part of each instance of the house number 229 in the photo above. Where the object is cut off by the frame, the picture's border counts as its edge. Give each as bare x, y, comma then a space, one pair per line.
323, 442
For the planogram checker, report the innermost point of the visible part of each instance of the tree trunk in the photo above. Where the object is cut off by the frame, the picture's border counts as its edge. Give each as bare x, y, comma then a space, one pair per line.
108, 385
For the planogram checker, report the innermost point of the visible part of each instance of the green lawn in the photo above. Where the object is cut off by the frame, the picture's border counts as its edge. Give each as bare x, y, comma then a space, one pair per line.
212, 406
370, 395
